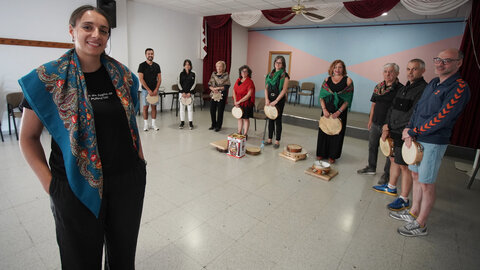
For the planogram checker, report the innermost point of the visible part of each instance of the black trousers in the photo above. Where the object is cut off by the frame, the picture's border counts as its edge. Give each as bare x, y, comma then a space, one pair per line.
217, 120
81, 236
277, 123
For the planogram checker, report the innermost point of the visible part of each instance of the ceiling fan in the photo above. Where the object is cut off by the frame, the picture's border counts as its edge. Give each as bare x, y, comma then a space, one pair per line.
301, 9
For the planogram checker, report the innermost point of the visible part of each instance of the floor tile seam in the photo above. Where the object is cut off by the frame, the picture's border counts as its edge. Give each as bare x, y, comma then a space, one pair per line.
39, 255
180, 235
237, 242
221, 253
233, 241
176, 247
268, 199
168, 200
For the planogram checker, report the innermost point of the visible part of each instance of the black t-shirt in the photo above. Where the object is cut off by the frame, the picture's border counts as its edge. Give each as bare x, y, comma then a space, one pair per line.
114, 140
150, 74
383, 103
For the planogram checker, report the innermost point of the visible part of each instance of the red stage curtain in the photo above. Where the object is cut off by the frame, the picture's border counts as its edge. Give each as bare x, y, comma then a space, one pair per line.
219, 44
277, 15
467, 130
367, 9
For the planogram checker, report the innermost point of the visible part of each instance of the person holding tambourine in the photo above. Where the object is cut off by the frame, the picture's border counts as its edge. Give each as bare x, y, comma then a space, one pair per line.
276, 84
186, 84
219, 84
336, 97
244, 97
398, 116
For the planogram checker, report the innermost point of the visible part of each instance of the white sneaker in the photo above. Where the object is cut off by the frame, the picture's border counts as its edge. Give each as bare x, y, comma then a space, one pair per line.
155, 127
145, 127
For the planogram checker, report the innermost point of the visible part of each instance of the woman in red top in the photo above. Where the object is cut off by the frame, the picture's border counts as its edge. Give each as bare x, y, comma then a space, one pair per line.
244, 97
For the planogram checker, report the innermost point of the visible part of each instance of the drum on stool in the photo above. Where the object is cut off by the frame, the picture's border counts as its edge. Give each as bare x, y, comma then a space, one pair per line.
294, 148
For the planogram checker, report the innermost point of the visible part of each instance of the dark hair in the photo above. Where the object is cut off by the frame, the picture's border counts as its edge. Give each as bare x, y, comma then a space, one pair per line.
188, 61
420, 62
332, 67
78, 13
148, 49
248, 70
284, 65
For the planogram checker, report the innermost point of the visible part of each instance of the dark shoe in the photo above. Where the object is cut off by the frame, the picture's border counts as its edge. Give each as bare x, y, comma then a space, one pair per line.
190, 125
217, 129
246, 137
367, 170
181, 125
399, 204
211, 128
276, 146
383, 180
268, 143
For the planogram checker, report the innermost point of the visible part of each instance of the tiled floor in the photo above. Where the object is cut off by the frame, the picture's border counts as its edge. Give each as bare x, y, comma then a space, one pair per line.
205, 210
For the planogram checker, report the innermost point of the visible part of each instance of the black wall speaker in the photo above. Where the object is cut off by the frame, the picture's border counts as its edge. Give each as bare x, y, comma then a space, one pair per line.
110, 7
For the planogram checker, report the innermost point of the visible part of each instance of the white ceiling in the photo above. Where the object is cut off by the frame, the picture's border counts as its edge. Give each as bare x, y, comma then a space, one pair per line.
216, 7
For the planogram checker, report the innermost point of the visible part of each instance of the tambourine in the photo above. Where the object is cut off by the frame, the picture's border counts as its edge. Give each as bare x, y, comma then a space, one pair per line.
253, 150
271, 112
412, 155
321, 167
386, 146
216, 96
331, 126
186, 101
237, 112
152, 99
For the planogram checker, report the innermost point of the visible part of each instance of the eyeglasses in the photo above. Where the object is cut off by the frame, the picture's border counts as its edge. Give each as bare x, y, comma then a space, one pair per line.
278, 62
438, 60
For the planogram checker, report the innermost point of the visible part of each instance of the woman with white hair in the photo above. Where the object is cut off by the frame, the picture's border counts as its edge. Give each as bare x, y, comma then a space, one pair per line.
219, 83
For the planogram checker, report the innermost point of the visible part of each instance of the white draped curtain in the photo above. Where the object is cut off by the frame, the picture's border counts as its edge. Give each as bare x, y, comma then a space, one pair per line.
432, 7
247, 18
325, 10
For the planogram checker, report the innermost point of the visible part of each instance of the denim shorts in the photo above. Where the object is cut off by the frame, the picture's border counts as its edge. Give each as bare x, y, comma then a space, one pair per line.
428, 168
143, 95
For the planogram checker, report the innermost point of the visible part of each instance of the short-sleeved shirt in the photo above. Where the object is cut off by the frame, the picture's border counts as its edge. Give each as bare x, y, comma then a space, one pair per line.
114, 140
150, 74
383, 103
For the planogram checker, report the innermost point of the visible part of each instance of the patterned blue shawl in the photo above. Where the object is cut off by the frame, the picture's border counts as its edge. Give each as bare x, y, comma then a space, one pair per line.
57, 93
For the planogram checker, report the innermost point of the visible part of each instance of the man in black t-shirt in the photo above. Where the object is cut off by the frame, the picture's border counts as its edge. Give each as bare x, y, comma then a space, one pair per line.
150, 77
382, 98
